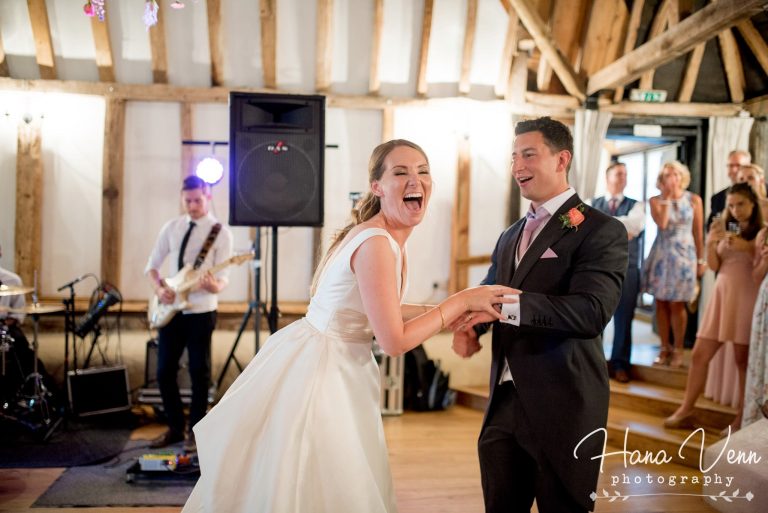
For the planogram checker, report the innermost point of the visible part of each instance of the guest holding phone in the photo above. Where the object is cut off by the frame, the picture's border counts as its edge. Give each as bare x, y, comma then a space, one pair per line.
728, 316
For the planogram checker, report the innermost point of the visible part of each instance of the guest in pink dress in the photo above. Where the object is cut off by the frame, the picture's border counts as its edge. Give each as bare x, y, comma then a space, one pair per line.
728, 315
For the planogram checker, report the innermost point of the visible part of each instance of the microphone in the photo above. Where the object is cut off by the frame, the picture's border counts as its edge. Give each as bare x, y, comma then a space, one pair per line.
69, 284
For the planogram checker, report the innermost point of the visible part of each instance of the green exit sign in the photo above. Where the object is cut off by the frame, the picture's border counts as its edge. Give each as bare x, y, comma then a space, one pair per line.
648, 95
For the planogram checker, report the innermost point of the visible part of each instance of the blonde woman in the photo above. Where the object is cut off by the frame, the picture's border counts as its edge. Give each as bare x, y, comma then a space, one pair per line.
300, 429
676, 258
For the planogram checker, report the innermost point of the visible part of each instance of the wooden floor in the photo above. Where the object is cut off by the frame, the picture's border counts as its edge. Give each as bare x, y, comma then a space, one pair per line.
435, 470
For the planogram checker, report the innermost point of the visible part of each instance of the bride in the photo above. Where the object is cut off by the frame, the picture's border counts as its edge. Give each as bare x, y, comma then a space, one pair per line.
300, 429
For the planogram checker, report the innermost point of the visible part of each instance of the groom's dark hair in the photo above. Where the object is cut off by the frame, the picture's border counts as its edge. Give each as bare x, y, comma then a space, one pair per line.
556, 135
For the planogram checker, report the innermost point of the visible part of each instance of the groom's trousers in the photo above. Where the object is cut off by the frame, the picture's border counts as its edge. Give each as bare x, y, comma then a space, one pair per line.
513, 469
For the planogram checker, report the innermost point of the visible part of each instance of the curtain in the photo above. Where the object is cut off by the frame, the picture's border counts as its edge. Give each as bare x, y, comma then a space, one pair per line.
589, 130
759, 143
725, 135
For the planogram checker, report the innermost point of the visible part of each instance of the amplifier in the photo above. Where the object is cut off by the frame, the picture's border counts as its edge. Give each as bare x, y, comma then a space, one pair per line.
99, 390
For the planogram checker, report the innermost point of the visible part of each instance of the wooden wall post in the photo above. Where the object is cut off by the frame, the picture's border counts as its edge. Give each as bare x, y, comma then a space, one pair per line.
29, 202
459, 276
112, 191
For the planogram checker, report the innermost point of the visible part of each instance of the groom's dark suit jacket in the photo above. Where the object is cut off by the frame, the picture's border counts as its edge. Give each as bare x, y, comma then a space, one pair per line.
556, 354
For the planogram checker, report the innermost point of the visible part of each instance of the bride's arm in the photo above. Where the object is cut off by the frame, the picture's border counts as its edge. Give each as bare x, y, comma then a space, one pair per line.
410, 310
374, 265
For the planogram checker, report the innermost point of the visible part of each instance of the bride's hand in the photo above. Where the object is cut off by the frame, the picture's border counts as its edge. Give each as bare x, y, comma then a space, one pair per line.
486, 297
470, 319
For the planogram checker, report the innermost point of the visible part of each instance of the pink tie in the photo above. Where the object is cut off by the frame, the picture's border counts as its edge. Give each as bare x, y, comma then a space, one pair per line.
532, 221
612, 205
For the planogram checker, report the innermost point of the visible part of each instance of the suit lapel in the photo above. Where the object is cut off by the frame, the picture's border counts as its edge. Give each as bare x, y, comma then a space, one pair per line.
552, 232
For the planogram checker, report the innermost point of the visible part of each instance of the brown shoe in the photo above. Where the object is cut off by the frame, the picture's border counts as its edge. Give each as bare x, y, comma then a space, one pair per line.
679, 422
189, 444
168, 437
621, 376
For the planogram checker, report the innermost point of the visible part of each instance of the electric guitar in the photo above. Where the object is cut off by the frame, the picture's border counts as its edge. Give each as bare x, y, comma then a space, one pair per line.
160, 314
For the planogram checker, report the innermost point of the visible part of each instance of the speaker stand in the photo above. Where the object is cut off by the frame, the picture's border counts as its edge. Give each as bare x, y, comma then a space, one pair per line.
254, 308
274, 312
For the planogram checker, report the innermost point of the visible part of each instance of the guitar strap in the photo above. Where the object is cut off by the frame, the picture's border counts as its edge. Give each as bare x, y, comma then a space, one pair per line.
215, 229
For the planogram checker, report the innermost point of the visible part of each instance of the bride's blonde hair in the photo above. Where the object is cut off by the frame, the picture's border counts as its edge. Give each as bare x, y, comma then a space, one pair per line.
369, 205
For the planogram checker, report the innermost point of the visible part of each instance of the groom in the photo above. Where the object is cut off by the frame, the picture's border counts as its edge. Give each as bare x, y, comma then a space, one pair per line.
549, 381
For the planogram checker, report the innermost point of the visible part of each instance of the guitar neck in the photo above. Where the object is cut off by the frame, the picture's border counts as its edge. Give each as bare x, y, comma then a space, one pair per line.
188, 284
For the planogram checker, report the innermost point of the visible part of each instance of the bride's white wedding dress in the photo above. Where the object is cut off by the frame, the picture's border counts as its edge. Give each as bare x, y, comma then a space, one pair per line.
300, 429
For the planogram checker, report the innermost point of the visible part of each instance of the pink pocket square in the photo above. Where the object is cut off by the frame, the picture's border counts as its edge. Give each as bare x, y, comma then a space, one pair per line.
549, 254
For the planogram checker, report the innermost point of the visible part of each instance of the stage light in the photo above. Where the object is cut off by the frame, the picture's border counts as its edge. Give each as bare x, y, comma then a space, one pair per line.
210, 170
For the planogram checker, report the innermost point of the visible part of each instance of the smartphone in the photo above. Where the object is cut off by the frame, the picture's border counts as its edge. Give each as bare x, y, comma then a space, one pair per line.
734, 228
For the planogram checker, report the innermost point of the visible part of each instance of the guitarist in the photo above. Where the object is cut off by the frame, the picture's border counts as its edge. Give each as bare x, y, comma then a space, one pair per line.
187, 240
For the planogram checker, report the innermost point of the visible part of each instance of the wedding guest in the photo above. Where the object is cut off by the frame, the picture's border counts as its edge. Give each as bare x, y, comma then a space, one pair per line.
756, 389
754, 175
631, 213
736, 159
675, 261
728, 314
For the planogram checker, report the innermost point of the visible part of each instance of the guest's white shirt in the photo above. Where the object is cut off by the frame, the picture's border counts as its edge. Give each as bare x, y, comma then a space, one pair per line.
634, 221
168, 244
512, 310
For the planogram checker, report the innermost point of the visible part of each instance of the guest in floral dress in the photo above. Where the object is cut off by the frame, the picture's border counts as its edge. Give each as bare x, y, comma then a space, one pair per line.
675, 261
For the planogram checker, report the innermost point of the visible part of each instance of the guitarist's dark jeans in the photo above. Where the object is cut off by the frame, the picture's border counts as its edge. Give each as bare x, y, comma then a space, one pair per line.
193, 332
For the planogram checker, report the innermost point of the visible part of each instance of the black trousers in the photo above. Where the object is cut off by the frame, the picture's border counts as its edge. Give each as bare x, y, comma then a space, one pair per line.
513, 469
622, 320
193, 332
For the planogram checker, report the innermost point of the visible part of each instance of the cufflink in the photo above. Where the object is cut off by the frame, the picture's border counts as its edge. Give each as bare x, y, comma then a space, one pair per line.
511, 317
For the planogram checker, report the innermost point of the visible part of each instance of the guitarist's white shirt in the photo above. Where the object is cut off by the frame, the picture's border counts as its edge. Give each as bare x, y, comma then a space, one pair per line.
167, 250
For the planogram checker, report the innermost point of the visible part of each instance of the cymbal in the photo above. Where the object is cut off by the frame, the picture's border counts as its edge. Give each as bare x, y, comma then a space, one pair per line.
12, 290
33, 309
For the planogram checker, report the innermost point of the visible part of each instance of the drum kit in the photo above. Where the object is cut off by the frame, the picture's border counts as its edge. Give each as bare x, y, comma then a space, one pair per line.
25, 397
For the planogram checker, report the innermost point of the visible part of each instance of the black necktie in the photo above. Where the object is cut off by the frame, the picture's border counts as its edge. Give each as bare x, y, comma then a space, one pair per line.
184, 244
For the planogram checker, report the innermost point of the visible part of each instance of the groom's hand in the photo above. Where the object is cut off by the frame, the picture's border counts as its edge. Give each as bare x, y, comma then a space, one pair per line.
466, 342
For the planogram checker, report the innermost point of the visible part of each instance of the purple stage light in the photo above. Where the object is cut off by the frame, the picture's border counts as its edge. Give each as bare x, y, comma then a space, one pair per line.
210, 170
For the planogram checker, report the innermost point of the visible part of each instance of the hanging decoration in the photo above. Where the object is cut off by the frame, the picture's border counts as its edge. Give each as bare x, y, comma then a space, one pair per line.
94, 8
150, 13
176, 4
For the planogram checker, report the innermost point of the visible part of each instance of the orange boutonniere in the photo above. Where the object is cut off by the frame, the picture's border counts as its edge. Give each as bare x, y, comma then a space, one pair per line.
573, 218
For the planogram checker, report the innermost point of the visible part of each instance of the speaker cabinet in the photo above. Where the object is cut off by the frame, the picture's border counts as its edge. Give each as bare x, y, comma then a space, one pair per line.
276, 150
99, 390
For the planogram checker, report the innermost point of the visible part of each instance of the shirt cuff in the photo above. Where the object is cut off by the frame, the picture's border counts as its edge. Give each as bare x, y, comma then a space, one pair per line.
512, 313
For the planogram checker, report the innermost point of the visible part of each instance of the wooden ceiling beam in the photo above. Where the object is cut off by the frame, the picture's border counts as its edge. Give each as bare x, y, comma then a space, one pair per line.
324, 45
568, 17
543, 39
695, 29
734, 71
158, 49
537, 105
631, 39
268, 17
426, 30
103, 47
605, 35
374, 79
697, 110
41, 31
469, 42
214, 42
692, 67
509, 53
663, 19
756, 43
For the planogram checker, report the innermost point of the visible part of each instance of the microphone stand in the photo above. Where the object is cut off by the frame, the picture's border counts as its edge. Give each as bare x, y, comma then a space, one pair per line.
69, 327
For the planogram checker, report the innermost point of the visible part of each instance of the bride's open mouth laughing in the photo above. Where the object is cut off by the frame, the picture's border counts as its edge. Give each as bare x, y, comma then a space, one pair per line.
414, 201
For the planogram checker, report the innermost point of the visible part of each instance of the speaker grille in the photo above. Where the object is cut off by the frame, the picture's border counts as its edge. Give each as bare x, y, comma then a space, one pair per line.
277, 182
